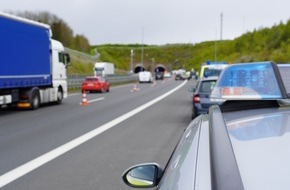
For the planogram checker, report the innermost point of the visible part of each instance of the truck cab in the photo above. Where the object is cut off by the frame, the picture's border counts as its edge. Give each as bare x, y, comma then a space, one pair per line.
38, 74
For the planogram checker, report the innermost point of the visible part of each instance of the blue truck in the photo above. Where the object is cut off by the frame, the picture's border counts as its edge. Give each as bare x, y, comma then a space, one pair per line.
32, 64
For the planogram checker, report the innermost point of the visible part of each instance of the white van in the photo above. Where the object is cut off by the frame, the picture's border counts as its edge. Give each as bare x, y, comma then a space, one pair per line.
145, 76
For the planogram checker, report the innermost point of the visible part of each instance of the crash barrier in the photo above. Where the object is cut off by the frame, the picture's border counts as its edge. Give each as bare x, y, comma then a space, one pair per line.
75, 81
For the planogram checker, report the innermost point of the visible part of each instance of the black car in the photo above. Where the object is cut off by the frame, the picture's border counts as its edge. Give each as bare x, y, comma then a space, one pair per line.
159, 75
180, 77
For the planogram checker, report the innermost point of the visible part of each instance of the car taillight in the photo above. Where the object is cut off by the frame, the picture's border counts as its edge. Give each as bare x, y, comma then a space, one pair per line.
196, 99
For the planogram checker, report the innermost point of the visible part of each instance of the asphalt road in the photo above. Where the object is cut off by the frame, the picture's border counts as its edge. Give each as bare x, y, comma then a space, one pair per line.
73, 147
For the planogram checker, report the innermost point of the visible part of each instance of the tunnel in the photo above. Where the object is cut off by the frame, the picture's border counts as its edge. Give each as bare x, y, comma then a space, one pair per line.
159, 71
159, 68
139, 67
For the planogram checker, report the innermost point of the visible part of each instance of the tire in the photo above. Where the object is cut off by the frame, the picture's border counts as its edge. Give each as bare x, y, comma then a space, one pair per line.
35, 100
59, 96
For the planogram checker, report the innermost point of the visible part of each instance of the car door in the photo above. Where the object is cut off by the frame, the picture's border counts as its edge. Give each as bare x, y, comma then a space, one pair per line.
186, 162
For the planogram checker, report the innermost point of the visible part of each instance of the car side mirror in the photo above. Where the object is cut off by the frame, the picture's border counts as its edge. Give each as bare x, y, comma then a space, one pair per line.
143, 175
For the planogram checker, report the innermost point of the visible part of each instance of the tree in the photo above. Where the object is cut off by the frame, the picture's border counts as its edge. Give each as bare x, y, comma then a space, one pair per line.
60, 30
81, 43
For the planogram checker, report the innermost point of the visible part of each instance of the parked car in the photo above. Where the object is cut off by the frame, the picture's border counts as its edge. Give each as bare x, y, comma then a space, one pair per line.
242, 143
211, 70
145, 76
181, 76
159, 75
95, 84
167, 74
201, 96
192, 75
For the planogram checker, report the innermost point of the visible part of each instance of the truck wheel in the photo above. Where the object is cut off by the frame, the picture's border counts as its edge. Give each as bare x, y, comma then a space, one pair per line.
59, 96
35, 100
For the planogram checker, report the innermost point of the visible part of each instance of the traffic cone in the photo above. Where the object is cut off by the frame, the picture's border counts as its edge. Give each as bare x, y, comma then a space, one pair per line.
135, 89
84, 99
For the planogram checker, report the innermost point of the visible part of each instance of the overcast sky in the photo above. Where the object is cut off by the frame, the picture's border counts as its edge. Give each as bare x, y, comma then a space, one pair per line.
159, 21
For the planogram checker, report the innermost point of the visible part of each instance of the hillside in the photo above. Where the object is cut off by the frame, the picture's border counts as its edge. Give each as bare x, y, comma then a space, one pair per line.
259, 45
264, 44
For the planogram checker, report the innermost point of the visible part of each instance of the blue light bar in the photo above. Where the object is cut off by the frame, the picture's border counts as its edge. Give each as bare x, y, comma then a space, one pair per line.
247, 81
215, 62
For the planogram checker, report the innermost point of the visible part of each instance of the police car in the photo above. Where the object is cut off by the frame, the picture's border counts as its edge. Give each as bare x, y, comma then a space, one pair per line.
242, 143
211, 69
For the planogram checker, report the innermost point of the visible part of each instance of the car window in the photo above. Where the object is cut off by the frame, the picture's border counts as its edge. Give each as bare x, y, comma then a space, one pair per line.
208, 72
207, 86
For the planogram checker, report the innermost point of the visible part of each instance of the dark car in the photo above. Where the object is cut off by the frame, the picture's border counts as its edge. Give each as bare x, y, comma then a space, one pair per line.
181, 76
95, 84
159, 75
242, 143
201, 96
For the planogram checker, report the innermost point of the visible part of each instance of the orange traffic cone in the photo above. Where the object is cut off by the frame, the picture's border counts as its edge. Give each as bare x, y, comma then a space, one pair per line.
84, 99
135, 89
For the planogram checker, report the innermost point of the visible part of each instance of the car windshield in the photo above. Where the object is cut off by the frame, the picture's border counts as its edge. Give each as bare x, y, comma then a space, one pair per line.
247, 81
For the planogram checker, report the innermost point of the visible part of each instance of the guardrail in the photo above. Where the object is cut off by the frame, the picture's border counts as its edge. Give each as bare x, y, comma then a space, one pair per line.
75, 81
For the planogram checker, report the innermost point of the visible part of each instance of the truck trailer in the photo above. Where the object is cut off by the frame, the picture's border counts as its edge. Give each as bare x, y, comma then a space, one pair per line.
32, 64
104, 69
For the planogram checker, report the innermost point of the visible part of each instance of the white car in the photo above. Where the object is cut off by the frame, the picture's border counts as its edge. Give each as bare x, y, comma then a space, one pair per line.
145, 76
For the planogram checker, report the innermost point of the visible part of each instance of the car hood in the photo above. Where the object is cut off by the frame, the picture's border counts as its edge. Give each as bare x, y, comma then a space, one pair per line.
261, 144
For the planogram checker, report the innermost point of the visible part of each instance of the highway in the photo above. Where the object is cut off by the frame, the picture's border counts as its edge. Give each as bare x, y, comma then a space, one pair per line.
73, 147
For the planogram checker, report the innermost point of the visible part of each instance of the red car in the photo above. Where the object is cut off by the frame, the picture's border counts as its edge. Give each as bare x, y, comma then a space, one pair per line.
95, 84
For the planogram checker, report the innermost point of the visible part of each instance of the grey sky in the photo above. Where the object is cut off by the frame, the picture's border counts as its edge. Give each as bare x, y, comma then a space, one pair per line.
160, 21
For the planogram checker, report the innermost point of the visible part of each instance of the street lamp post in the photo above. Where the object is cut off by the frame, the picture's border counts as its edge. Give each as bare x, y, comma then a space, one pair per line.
131, 61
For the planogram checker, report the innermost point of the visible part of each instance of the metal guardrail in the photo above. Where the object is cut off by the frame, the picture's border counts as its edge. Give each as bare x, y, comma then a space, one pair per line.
75, 81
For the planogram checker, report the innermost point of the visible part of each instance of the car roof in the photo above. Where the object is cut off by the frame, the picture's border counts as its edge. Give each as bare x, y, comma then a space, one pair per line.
249, 137
251, 146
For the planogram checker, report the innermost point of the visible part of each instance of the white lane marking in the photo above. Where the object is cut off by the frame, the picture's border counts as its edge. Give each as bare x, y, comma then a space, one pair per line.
41, 160
95, 100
